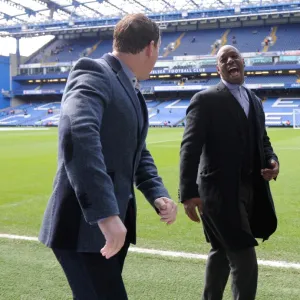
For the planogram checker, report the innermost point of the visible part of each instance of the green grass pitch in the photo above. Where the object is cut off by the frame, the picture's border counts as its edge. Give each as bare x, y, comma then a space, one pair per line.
29, 270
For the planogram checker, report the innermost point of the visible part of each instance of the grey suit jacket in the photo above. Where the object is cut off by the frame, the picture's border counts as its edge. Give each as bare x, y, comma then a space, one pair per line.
101, 154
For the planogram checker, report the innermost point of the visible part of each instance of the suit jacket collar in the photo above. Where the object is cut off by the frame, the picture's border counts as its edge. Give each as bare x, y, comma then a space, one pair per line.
113, 62
221, 86
232, 104
125, 82
126, 69
257, 110
256, 106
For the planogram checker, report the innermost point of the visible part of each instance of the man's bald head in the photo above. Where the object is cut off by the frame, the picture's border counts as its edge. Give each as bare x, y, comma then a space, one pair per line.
227, 47
230, 65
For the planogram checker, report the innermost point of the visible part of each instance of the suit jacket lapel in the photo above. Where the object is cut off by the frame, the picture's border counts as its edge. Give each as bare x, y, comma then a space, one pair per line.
259, 128
125, 82
256, 108
145, 113
232, 104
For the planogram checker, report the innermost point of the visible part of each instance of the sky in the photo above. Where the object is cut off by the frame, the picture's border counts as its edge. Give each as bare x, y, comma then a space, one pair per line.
27, 45
98, 9
91, 8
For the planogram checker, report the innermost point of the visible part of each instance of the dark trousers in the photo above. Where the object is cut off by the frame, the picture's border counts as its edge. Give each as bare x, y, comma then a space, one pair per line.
242, 263
93, 277
243, 267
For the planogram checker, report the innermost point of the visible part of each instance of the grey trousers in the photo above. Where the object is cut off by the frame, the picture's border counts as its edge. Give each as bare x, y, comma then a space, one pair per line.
242, 264
243, 267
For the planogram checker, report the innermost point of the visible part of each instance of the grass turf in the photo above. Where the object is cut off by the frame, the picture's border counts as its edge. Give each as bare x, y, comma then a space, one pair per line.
28, 164
30, 272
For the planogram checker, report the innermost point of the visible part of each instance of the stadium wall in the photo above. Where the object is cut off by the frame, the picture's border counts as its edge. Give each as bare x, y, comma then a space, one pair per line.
16, 101
13, 63
4, 80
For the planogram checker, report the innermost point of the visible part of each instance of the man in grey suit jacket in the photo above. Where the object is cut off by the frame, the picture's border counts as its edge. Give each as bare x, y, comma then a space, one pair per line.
102, 153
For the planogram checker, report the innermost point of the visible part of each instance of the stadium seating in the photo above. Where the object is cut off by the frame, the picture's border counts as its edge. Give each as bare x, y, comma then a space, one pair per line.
280, 110
246, 39
271, 79
288, 38
105, 46
171, 112
36, 114
202, 43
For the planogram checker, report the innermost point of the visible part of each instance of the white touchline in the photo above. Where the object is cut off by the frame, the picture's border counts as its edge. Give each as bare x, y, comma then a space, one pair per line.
23, 128
268, 263
18, 237
161, 142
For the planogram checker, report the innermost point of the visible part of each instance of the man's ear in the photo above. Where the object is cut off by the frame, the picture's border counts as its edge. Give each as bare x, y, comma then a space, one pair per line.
218, 69
150, 48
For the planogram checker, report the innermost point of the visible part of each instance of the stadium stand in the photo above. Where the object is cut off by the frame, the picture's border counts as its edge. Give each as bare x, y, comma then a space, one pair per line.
161, 113
32, 114
280, 110
187, 64
287, 38
200, 42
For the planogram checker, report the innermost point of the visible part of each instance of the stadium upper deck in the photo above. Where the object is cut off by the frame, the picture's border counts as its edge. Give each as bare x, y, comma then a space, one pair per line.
267, 35
194, 42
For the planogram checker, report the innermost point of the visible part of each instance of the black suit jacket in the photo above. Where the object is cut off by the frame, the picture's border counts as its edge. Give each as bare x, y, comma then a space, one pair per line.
211, 163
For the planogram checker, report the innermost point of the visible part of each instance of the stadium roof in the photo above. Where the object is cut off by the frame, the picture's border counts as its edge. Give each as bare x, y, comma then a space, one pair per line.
35, 11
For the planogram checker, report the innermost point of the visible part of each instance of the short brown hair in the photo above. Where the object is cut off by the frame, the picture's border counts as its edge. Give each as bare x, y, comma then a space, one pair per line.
134, 32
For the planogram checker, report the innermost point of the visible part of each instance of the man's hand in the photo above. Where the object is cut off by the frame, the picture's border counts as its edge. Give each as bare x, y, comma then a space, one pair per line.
114, 232
167, 209
272, 172
190, 207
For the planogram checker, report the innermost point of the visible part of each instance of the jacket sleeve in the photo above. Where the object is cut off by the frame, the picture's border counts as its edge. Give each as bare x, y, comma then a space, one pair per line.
86, 96
194, 137
147, 179
268, 149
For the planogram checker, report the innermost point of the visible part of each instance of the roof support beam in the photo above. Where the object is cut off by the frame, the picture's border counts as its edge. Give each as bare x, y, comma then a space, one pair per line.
193, 2
169, 5
5, 16
20, 7
146, 8
118, 8
78, 4
221, 2
53, 6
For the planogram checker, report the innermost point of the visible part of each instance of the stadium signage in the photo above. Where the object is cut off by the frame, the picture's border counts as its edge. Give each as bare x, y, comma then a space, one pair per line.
193, 57
167, 88
40, 92
49, 64
203, 87
180, 88
295, 85
245, 55
178, 71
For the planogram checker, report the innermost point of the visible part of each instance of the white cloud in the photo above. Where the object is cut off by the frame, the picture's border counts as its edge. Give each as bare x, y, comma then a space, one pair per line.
27, 45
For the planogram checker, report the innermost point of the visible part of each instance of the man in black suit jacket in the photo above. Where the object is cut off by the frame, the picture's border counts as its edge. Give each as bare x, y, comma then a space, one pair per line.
102, 153
226, 164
